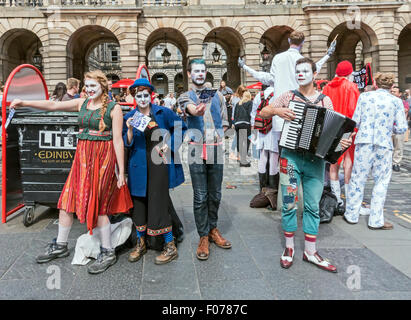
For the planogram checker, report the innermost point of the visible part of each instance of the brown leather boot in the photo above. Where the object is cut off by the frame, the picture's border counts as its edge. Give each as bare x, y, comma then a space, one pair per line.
203, 250
215, 236
138, 251
169, 253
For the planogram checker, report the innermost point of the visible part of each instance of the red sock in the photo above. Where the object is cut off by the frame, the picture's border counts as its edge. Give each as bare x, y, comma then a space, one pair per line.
289, 239
310, 244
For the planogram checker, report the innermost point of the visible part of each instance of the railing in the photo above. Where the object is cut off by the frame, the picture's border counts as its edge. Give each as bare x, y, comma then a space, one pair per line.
275, 2
67, 3
164, 3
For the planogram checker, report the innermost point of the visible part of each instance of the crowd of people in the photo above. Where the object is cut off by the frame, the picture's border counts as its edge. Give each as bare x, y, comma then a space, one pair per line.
153, 132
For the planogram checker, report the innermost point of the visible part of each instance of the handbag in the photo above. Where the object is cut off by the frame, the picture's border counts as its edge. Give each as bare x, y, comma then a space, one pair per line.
328, 206
122, 201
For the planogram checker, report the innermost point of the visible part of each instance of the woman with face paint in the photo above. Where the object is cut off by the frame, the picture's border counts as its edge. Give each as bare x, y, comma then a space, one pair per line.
299, 167
93, 189
152, 170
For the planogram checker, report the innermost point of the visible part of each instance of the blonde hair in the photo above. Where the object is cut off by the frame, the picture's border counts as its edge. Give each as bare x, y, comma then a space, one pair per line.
72, 83
100, 77
384, 80
246, 97
240, 91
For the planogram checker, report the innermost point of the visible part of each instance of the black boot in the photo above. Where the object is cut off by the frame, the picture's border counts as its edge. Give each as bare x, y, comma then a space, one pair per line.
263, 180
273, 181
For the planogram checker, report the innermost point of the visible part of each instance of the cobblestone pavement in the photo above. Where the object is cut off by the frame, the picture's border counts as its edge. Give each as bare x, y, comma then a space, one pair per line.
371, 264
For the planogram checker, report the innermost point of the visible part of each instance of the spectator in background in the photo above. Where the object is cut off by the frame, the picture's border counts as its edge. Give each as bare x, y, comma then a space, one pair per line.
129, 98
227, 92
1, 91
59, 91
110, 94
117, 98
170, 101
73, 87
407, 114
235, 98
398, 139
241, 121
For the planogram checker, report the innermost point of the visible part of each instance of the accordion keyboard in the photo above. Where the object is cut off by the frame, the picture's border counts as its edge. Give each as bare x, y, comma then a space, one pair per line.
291, 129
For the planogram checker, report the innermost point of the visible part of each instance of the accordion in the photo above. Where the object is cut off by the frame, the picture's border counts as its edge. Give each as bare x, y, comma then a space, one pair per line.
316, 130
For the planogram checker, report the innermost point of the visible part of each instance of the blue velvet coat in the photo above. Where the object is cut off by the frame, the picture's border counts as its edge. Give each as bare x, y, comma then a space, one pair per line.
137, 162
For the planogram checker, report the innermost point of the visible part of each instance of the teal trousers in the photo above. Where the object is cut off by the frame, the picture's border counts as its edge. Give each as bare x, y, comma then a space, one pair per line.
307, 169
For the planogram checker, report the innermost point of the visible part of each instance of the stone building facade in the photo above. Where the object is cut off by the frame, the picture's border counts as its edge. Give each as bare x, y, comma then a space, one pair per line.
66, 31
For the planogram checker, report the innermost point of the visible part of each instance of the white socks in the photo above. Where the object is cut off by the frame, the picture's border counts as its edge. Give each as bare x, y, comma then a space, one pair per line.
63, 234
335, 188
346, 191
105, 236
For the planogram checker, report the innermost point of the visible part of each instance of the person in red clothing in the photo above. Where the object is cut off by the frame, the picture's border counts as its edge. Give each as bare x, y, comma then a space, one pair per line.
344, 95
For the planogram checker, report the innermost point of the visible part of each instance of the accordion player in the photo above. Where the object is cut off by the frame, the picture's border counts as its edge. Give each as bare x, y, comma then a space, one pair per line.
316, 130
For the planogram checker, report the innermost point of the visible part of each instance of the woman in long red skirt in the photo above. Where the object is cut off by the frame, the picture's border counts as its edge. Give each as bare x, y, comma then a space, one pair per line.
92, 190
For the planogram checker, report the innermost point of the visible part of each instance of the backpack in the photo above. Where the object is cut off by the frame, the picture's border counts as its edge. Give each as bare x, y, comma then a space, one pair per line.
328, 206
263, 125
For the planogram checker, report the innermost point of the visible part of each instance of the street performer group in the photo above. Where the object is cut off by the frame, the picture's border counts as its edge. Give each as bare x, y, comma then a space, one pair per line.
293, 150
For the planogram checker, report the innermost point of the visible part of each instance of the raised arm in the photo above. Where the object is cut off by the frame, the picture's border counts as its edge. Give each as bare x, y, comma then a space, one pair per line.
47, 105
264, 77
117, 120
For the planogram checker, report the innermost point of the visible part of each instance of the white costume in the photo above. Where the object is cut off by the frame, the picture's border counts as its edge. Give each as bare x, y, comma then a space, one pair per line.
378, 114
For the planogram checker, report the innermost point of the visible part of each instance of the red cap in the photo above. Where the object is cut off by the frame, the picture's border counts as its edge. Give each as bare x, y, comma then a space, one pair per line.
344, 68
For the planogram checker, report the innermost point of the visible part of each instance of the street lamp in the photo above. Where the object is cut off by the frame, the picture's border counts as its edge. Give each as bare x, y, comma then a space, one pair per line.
265, 54
216, 54
38, 59
166, 54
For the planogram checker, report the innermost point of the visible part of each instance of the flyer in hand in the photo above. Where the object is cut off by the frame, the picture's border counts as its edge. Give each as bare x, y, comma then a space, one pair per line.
206, 95
140, 121
9, 117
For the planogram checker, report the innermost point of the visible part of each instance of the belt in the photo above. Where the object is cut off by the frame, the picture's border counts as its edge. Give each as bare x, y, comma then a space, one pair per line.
97, 133
205, 145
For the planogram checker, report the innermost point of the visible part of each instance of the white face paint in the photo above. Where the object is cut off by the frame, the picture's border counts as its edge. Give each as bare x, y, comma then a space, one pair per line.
304, 74
93, 88
143, 98
198, 74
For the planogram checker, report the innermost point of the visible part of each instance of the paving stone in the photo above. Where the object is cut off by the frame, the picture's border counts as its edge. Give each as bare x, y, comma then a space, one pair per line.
34, 289
175, 277
173, 296
121, 281
241, 289
12, 246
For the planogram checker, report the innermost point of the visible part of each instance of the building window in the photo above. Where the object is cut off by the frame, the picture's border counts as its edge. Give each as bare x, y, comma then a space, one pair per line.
114, 56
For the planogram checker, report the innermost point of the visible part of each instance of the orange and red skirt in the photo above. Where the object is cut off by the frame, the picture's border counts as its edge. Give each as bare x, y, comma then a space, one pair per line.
91, 187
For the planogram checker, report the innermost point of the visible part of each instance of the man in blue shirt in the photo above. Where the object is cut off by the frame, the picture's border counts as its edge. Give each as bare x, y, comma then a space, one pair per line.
206, 120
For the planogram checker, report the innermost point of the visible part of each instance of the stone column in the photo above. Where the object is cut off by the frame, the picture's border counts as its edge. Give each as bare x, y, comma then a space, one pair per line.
252, 59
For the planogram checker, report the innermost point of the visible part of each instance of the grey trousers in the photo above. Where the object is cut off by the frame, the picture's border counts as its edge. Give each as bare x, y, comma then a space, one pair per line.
398, 142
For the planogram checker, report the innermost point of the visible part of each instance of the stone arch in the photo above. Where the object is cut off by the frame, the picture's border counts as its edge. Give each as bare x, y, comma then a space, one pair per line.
17, 46
233, 44
404, 58
80, 44
347, 43
160, 82
174, 37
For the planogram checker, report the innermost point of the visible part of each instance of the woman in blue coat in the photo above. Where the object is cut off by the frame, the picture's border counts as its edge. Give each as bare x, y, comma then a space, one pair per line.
152, 169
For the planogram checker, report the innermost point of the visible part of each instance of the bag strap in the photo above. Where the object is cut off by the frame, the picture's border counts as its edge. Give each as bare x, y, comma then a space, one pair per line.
300, 95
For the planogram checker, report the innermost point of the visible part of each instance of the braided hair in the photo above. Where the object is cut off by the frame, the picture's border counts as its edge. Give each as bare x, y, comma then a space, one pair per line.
100, 77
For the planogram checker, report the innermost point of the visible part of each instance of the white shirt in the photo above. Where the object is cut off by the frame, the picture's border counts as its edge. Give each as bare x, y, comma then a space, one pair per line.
282, 76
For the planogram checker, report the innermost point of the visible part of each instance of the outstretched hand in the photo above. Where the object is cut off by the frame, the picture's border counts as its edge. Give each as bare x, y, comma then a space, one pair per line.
241, 62
16, 103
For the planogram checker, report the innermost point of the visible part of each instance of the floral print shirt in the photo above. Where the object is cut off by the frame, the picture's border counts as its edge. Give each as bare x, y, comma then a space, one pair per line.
379, 115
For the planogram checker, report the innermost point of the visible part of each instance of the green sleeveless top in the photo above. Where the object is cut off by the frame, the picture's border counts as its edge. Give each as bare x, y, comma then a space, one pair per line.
89, 121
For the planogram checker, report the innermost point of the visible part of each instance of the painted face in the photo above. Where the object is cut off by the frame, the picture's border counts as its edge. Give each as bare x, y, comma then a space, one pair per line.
304, 74
93, 88
143, 98
198, 74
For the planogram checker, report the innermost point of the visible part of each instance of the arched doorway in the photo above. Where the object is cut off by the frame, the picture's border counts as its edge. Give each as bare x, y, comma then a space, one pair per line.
404, 58
232, 43
275, 40
210, 79
18, 46
179, 84
160, 82
176, 44
89, 48
359, 46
